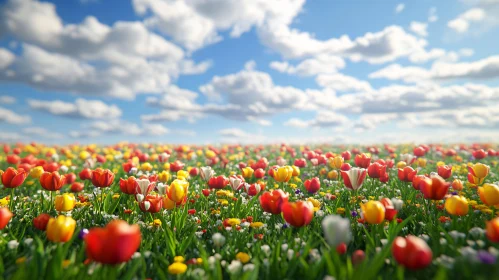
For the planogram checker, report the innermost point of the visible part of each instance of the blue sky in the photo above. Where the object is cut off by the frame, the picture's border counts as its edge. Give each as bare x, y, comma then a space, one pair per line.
249, 71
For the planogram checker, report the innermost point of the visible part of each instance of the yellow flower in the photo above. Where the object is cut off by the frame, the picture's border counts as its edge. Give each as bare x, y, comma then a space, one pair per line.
84, 155
177, 268
182, 175
65, 202
243, 257
177, 191
156, 222
210, 154
340, 211
296, 170
233, 221
401, 164
179, 259
440, 163
20, 260
422, 162
166, 166
146, 166
336, 162
456, 205
247, 172
283, 174
333, 174
373, 211
224, 202
293, 186
164, 176
256, 225
4, 202
60, 229
36, 172
315, 203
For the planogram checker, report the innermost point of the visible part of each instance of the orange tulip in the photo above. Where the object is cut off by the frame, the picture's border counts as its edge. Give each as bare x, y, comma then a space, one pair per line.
5, 216
434, 188
489, 194
52, 181
102, 178
492, 230
298, 213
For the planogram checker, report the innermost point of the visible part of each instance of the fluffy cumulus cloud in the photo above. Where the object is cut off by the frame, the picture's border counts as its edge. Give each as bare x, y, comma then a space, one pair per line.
42, 132
81, 108
321, 64
60, 57
420, 28
322, 119
462, 23
117, 126
198, 23
6, 99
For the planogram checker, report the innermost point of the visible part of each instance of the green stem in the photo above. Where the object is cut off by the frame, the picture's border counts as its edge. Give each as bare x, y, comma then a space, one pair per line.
51, 200
11, 202
41, 200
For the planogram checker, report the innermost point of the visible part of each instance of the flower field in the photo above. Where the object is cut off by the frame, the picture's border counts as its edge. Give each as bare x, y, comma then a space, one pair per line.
131, 211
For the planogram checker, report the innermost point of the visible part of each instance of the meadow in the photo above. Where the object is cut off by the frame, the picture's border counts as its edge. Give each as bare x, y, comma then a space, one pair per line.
143, 211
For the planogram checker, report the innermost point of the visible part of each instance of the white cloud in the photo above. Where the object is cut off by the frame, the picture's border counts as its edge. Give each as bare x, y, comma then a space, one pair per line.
343, 83
322, 119
233, 132
399, 8
487, 68
462, 23
42, 132
10, 136
6, 58
90, 109
420, 28
321, 64
11, 117
5, 99
90, 57
198, 23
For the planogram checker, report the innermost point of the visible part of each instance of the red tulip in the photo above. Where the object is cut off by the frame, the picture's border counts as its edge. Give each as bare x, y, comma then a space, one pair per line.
358, 257
419, 151
345, 167
127, 166
193, 172
259, 173
102, 178
13, 159
218, 182
376, 169
70, 178
479, 154
26, 166
412, 252
85, 174
434, 188
151, 204
206, 192
301, 162
129, 186
254, 189
12, 178
40, 222
390, 211
5, 216
271, 202
362, 160
444, 171
313, 185
406, 174
298, 213
346, 155
176, 166
52, 181
51, 167
77, 187
116, 243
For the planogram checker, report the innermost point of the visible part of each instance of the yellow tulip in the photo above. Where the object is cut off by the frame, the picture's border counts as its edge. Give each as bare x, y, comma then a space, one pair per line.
146, 166
283, 174
336, 162
477, 173
182, 175
401, 164
177, 191
333, 174
36, 172
489, 194
164, 176
247, 172
60, 229
373, 211
296, 171
65, 202
457, 205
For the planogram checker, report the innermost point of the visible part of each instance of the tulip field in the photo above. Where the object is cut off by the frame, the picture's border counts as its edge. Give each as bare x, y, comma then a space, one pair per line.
144, 211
